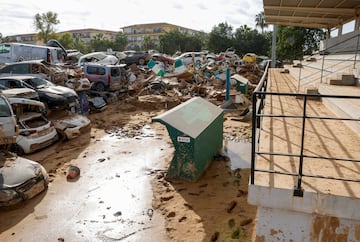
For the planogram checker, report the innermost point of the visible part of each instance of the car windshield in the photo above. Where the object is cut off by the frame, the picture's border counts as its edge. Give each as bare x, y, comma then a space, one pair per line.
39, 83
4, 107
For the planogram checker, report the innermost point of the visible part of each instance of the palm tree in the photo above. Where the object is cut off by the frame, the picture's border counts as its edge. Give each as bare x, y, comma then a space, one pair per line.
260, 21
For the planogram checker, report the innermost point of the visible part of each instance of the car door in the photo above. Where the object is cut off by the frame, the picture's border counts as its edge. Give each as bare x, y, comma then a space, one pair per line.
8, 125
115, 78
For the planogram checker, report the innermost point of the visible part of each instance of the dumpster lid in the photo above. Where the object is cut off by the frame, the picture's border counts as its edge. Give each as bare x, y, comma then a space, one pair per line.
240, 78
190, 117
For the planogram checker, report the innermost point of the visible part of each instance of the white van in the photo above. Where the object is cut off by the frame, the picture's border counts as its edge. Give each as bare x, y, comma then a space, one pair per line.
8, 124
15, 52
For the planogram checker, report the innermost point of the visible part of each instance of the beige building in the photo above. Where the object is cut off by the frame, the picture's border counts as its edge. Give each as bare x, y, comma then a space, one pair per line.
137, 32
83, 34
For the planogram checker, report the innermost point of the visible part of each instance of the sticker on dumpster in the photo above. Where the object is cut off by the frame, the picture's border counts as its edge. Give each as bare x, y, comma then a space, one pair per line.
183, 139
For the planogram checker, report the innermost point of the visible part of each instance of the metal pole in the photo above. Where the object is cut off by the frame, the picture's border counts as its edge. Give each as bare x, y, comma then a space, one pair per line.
322, 67
300, 67
253, 138
227, 97
273, 48
298, 190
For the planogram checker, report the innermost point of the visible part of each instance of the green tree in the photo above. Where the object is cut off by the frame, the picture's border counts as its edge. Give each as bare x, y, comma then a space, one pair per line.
295, 42
80, 45
220, 38
148, 43
45, 24
250, 40
100, 43
120, 42
260, 21
66, 40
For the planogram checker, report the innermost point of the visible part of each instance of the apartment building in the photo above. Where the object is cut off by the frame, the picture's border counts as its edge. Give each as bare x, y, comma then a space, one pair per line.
136, 33
84, 34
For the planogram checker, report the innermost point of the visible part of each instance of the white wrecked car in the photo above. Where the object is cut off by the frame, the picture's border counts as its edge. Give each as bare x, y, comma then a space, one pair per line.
72, 126
20, 179
35, 130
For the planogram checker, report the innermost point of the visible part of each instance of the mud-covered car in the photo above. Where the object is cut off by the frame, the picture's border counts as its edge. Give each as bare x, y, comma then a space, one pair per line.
71, 126
54, 96
106, 77
35, 130
134, 57
8, 125
37, 68
19, 92
21, 179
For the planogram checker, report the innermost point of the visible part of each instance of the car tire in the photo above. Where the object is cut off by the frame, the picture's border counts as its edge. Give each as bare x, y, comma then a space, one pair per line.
17, 149
141, 61
100, 87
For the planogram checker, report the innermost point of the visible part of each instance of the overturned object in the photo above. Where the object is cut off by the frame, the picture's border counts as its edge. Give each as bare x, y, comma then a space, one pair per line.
196, 130
73, 172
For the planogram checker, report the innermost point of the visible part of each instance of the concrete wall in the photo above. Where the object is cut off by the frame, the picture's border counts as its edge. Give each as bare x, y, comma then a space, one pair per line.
313, 217
335, 45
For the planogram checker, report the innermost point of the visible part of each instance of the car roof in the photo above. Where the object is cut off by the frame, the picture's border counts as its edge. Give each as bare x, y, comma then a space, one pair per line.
25, 62
17, 77
104, 65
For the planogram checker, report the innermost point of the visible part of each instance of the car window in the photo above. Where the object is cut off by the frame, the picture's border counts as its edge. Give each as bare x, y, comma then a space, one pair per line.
4, 82
94, 70
37, 82
14, 83
19, 69
101, 71
115, 71
4, 108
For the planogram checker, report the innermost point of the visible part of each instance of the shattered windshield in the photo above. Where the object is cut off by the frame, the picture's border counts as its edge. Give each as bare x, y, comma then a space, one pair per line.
39, 83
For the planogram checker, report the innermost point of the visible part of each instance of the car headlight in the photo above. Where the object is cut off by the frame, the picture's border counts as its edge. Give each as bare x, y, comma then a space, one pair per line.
7, 195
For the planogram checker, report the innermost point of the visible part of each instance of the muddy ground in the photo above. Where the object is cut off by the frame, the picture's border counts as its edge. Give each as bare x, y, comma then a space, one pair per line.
214, 208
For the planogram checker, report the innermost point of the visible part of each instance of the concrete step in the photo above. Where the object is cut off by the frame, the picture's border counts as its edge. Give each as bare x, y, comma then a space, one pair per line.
344, 108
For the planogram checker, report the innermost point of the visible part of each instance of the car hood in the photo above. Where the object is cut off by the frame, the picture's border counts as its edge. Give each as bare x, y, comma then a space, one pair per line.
20, 92
15, 170
73, 120
60, 90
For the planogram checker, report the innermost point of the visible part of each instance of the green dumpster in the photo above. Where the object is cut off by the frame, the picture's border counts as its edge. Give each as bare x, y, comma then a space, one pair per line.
196, 130
242, 84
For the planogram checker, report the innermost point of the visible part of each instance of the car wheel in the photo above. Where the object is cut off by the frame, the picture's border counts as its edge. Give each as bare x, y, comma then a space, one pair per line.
17, 149
62, 135
141, 61
100, 87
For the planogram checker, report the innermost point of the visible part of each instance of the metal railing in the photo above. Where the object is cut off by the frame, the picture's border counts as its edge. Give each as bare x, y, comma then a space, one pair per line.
340, 64
258, 102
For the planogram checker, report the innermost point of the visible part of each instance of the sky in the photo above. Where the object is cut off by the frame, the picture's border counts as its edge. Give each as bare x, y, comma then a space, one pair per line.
17, 17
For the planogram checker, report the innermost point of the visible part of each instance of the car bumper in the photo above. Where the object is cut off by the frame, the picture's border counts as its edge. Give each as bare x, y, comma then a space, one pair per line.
29, 144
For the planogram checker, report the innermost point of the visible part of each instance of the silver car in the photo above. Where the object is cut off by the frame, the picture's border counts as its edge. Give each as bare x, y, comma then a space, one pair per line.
20, 179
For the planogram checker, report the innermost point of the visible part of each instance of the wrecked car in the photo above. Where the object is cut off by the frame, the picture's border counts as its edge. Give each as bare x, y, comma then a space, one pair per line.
21, 179
36, 68
35, 130
105, 77
19, 92
191, 57
8, 125
70, 126
98, 57
134, 57
54, 96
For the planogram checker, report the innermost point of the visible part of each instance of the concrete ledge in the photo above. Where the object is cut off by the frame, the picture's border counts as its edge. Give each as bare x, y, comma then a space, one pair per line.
311, 202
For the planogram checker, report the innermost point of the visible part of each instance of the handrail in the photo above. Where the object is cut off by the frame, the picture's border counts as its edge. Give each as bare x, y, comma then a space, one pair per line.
329, 69
258, 98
